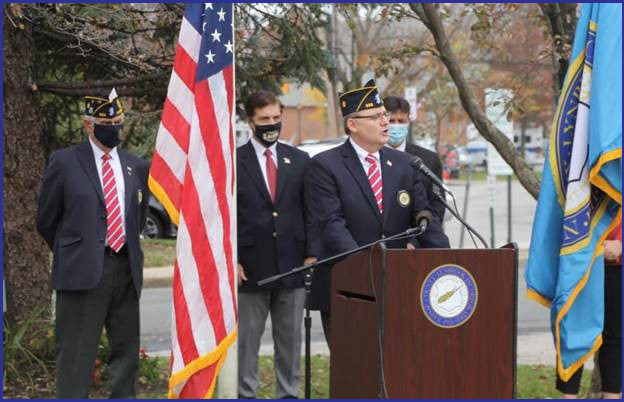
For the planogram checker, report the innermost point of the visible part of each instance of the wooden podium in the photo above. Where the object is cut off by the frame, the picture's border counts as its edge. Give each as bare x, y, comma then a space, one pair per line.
459, 343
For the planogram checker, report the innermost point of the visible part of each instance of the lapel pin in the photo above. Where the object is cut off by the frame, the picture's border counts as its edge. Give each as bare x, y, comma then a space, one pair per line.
404, 198
139, 196
389, 163
286, 161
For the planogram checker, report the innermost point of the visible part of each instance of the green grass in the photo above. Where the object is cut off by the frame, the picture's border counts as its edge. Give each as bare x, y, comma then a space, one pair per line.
533, 382
319, 385
158, 252
539, 382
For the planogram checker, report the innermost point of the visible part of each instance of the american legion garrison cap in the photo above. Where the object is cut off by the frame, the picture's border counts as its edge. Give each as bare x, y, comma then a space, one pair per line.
359, 99
102, 107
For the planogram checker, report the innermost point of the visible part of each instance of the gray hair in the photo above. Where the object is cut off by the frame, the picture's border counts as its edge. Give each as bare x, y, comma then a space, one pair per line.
344, 120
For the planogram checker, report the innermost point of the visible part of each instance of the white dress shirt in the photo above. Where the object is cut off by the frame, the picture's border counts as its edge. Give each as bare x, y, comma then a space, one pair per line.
362, 154
401, 146
115, 164
259, 148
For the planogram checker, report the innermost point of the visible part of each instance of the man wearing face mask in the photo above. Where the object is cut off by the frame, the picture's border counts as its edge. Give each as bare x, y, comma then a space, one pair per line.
398, 130
91, 211
274, 236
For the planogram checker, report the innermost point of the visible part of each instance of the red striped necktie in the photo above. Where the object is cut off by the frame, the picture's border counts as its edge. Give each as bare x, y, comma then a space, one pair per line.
374, 178
271, 171
114, 224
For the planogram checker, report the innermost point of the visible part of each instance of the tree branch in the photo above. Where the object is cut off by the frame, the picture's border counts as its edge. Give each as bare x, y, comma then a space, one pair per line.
561, 20
502, 144
85, 88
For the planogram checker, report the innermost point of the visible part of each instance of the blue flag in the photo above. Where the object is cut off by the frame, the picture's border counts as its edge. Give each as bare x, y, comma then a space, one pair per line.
580, 199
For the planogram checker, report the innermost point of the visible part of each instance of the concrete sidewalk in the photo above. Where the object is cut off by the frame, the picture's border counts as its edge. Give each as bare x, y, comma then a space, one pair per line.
158, 277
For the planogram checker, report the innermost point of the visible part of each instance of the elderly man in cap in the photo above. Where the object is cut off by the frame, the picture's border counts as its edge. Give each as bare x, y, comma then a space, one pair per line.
92, 209
361, 191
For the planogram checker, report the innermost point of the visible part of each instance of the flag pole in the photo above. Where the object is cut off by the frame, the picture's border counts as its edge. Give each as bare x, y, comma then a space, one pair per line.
227, 383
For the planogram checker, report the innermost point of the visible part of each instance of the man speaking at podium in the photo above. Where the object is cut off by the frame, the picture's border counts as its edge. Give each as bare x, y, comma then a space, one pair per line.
361, 191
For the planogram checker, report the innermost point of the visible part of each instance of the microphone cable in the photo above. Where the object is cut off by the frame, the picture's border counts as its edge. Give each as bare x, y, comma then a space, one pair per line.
457, 211
383, 391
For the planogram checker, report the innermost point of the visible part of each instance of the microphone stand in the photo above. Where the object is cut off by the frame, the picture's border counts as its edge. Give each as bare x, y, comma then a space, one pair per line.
441, 198
307, 321
308, 288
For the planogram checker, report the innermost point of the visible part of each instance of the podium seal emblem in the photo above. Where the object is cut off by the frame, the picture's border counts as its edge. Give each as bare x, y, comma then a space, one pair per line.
449, 296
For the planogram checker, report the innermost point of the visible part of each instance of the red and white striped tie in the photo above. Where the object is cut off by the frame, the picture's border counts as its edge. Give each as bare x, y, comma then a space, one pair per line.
114, 224
374, 178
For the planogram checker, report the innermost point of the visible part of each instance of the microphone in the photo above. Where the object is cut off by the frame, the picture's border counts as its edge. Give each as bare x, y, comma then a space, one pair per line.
420, 165
423, 219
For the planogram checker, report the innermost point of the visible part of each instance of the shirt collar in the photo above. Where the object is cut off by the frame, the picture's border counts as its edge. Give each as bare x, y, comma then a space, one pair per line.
401, 146
259, 148
361, 152
98, 153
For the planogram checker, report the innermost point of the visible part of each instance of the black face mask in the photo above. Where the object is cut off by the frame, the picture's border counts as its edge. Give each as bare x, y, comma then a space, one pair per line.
107, 135
268, 134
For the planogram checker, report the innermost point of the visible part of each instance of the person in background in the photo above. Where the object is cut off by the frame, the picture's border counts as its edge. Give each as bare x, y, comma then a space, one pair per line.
398, 130
610, 353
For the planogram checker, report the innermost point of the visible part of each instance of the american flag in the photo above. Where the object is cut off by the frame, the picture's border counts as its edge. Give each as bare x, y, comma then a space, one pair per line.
192, 174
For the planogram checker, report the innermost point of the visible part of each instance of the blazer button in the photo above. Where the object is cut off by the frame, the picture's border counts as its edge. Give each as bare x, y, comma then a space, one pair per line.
274, 214
274, 234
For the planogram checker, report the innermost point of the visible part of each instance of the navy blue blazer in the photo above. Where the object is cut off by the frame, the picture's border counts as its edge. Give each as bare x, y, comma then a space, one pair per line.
272, 238
347, 216
71, 216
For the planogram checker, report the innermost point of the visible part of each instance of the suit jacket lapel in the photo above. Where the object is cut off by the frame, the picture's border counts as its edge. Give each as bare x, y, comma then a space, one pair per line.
389, 176
354, 166
283, 169
127, 171
251, 164
86, 159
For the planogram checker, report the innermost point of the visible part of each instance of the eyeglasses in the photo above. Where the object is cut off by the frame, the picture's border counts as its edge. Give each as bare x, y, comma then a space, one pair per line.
376, 116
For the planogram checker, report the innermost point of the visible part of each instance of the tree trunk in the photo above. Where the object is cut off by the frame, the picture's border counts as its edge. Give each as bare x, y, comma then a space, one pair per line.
561, 19
26, 257
438, 132
431, 18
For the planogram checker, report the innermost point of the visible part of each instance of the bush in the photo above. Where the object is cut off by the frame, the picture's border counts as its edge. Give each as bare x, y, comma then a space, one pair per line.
150, 371
28, 355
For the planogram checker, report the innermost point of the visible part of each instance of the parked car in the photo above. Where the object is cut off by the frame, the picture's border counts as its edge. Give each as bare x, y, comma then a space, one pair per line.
158, 224
314, 147
473, 154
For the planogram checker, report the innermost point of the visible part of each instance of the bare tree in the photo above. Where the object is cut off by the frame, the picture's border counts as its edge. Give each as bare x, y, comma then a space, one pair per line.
430, 17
